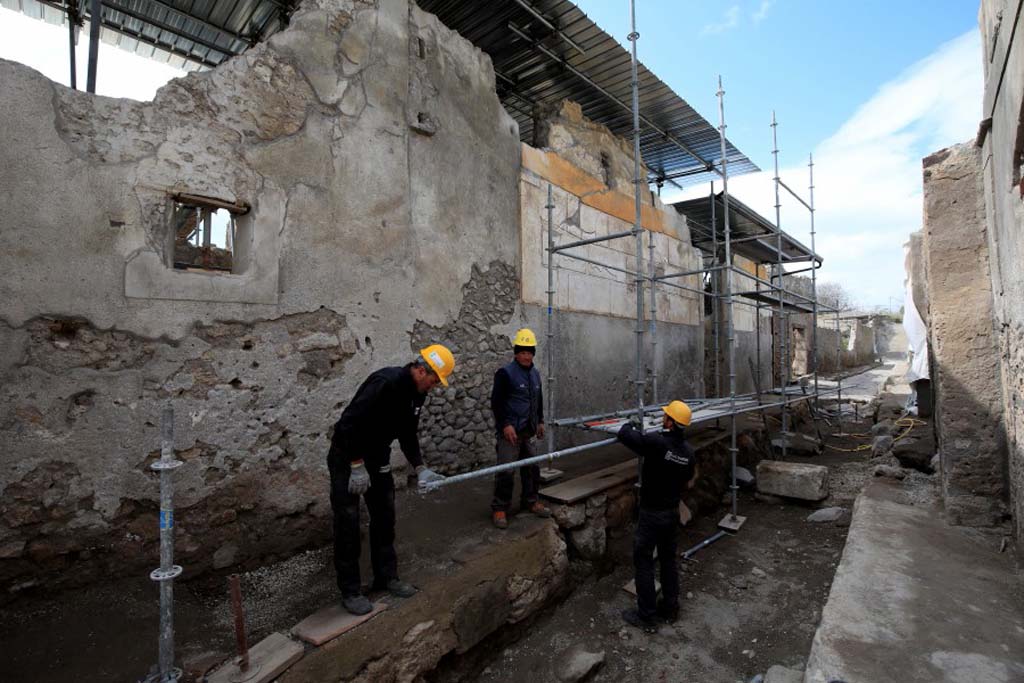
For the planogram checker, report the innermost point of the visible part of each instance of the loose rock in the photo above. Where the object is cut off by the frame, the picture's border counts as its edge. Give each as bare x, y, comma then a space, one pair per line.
827, 515
889, 471
579, 664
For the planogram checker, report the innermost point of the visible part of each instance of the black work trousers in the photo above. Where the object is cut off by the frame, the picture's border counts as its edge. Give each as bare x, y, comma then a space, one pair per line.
505, 482
656, 529
380, 501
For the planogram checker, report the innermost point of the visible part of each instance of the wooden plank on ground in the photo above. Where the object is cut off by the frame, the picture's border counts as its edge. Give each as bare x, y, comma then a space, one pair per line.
330, 622
577, 489
268, 659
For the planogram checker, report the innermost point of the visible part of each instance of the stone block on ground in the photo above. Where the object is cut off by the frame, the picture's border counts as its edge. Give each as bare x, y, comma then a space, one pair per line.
827, 515
915, 453
883, 428
792, 480
330, 622
889, 471
578, 664
881, 445
272, 655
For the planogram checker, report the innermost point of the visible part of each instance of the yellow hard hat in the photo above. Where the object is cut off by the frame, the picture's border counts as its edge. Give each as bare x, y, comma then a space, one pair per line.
679, 412
525, 337
440, 360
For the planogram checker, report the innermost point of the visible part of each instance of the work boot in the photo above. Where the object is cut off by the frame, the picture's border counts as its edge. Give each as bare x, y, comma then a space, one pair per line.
401, 589
633, 618
539, 509
500, 519
357, 604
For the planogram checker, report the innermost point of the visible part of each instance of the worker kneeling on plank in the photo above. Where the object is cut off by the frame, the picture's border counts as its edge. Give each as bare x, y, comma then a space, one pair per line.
668, 464
518, 406
386, 407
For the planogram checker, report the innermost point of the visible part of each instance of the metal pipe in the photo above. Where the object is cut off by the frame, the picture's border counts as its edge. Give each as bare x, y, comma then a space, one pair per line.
687, 273
71, 44
797, 197
593, 240
238, 610
167, 571
839, 376
715, 307
95, 21
653, 321
540, 17
637, 229
730, 328
550, 350
494, 469
783, 357
814, 284
704, 544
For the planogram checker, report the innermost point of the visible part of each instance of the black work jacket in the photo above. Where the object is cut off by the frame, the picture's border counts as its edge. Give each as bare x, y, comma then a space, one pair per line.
668, 464
517, 398
386, 407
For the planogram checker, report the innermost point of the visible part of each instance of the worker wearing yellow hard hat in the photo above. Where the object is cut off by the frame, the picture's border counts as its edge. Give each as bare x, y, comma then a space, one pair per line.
517, 402
386, 407
668, 463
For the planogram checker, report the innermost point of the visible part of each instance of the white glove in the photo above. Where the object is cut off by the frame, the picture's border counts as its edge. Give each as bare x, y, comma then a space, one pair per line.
425, 475
359, 479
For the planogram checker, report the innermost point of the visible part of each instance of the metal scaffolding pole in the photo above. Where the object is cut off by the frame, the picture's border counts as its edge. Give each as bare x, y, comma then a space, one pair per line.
783, 321
654, 321
72, 15
637, 227
95, 21
814, 286
839, 376
731, 521
167, 570
550, 350
714, 294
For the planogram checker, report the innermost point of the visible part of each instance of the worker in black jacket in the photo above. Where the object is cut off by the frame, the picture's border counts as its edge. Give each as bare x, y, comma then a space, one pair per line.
386, 407
668, 464
518, 406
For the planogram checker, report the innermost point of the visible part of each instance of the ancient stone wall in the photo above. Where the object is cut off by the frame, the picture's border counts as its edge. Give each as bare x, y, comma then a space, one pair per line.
1003, 162
380, 174
962, 343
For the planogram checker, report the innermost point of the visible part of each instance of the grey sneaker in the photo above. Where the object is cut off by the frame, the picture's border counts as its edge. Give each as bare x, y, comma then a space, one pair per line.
401, 589
357, 604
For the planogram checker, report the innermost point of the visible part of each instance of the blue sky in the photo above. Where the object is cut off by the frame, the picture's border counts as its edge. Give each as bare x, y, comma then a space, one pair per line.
870, 87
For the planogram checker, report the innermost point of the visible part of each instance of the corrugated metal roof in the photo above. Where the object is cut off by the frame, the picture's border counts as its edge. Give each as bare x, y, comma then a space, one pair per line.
759, 235
188, 34
543, 51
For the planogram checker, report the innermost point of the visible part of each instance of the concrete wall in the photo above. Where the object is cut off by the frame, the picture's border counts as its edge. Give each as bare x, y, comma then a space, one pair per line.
1002, 159
962, 344
384, 194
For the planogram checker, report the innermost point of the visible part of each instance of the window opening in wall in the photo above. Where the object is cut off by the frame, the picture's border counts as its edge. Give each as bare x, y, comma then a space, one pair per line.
206, 233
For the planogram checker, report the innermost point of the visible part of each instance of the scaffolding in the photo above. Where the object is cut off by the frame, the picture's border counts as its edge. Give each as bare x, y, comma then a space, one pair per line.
766, 243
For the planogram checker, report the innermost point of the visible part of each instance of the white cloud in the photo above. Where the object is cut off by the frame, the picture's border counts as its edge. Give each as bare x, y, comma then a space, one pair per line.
44, 47
867, 174
762, 11
730, 20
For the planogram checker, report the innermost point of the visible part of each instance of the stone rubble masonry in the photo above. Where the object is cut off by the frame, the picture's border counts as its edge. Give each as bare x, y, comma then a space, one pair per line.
963, 347
1003, 162
382, 172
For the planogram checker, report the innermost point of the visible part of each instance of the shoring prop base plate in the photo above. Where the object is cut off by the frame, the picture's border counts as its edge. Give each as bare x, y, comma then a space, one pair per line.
732, 522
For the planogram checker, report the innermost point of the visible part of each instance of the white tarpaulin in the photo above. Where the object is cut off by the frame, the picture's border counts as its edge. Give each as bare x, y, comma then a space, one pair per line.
917, 335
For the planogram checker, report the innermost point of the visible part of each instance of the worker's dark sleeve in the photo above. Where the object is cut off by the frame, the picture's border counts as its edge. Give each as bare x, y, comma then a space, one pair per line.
409, 440
365, 413
634, 440
540, 404
499, 394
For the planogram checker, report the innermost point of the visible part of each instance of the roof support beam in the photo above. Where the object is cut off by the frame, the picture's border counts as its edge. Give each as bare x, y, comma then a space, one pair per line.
708, 166
540, 17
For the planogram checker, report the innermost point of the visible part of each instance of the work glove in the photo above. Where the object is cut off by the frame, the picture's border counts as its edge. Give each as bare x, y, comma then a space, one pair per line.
636, 422
359, 479
425, 475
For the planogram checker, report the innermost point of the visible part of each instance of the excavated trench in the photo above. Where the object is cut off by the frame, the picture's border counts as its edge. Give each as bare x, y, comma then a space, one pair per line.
493, 605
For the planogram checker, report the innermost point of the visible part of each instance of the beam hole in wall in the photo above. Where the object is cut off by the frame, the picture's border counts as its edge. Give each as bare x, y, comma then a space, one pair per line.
210, 235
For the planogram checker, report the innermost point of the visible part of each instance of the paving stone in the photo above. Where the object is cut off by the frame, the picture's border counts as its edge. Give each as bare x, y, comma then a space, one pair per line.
273, 655
792, 480
330, 622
